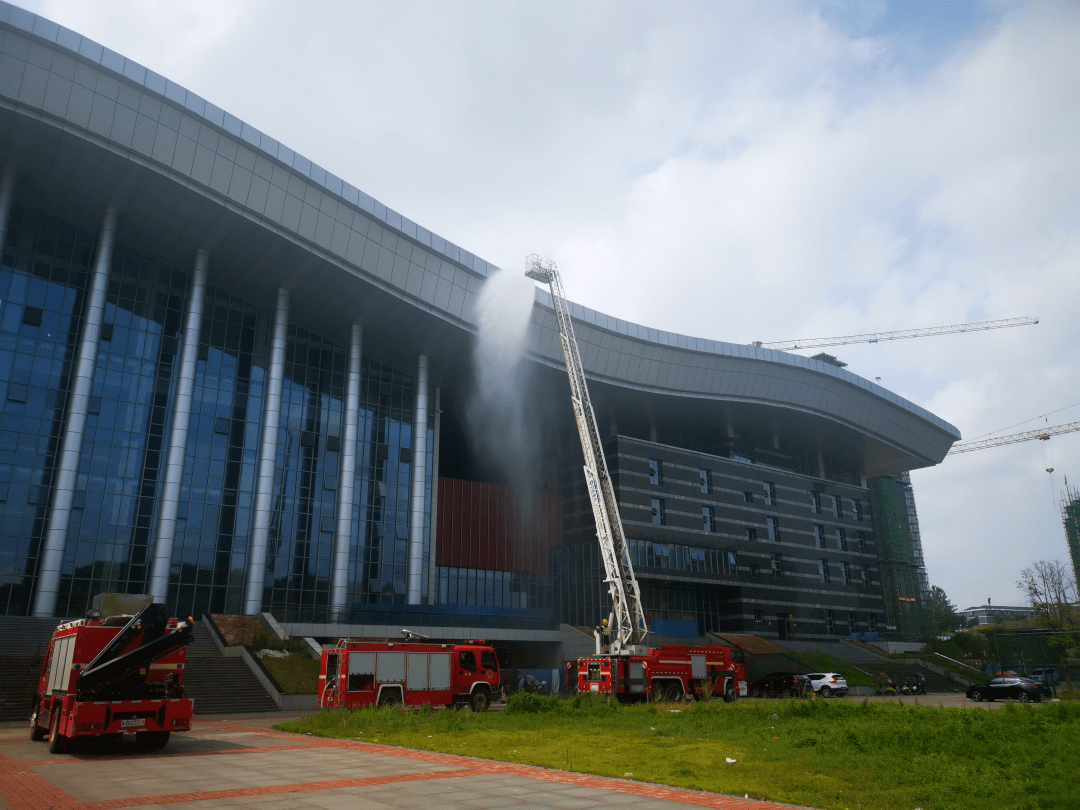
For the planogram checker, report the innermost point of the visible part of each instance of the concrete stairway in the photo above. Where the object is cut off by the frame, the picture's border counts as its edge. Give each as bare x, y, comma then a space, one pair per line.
866, 658
23, 642
221, 685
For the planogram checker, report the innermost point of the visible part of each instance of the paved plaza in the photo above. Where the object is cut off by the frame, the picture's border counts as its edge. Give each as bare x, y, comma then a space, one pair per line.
242, 762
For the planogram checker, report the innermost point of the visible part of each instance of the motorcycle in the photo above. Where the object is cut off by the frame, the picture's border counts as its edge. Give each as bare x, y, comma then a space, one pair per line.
529, 684
885, 685
914, 685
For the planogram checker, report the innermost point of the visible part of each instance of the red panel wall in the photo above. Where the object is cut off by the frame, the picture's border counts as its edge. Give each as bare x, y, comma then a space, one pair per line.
496, 527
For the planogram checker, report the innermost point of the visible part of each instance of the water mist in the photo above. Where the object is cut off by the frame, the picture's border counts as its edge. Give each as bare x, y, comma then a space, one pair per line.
504, 430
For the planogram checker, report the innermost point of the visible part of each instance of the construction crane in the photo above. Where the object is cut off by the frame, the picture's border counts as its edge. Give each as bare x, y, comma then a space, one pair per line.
903, 334
1042, 434
626, 623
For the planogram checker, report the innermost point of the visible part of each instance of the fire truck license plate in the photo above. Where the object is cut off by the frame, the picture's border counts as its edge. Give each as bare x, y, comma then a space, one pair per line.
138, 721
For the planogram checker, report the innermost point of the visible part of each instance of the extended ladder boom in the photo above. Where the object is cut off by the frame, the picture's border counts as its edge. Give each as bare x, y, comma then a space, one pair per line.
628, 626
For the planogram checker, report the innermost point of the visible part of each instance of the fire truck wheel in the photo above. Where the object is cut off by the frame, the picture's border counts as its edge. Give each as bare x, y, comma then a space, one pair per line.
729, 695
149, 740
58, 743
390, 697
673, 693
37, 733
480, 700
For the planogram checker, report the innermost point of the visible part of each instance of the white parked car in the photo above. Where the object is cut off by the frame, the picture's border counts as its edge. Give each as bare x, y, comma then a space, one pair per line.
827, 684
1046, 675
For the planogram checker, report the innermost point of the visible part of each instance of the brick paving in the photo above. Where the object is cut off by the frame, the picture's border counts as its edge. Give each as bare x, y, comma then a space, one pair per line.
242, 763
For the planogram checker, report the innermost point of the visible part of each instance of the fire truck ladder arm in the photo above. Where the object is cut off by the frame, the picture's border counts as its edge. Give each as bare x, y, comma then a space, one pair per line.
628, 616
99, 676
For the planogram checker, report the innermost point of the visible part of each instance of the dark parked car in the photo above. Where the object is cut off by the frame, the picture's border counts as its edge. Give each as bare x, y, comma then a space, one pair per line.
781, 684
1007, 688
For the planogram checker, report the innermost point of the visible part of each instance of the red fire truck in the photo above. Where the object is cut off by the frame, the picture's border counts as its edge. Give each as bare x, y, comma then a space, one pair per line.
667, 672
113, 674
355, 674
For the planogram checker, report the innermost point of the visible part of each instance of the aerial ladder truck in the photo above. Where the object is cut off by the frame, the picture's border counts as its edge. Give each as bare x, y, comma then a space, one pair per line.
627, 668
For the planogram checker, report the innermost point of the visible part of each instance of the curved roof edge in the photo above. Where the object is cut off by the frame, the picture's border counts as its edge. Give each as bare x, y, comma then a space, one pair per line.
718, 347
132, 71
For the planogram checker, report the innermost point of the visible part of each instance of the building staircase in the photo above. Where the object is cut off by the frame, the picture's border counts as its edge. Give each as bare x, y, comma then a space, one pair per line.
23, 642
872, 661
221, 685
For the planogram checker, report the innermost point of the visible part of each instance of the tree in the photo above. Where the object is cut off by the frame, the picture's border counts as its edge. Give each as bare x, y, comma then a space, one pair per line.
1050, 587
941, 612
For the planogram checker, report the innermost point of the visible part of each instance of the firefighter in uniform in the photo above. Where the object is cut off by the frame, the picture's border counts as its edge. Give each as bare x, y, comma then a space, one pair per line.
606, 630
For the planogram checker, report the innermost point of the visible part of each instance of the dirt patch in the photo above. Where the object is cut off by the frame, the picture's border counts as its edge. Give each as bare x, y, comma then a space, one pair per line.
238, 629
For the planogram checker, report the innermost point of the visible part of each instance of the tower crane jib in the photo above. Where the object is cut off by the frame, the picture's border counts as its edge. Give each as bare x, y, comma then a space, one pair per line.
1042, 434
902, 334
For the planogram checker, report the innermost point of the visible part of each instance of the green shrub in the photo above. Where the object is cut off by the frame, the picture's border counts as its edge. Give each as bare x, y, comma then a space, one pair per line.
531, 703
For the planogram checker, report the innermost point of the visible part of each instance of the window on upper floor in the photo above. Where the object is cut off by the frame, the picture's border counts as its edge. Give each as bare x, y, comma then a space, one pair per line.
871, 621
656, 471
847, 573
755, 570
851, 624
705, 482
841, 539
777, 565
759, 617
823, 570
774, 529
751, 534
707, 522
748, 497
837, 506
830, 622
658, 511
862, 542
856, 509
819, 536
770, 492
866, 575
815, 503
731, 563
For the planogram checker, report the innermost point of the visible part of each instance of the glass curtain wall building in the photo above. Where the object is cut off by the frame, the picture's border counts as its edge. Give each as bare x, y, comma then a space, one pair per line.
235, 381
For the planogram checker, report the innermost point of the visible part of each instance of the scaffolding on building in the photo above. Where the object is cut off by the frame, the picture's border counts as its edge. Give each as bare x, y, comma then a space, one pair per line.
1070, 515
900, 555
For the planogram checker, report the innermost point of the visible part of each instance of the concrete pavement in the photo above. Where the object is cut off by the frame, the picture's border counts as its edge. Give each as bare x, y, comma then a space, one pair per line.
240, 762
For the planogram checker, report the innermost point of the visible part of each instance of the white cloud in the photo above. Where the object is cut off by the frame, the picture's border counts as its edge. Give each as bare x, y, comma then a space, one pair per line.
732, 172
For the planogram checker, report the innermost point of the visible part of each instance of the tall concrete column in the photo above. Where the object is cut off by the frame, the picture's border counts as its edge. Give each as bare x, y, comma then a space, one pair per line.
178, 436
436, 425
339, 575
67, 470
264, 484
414, 584
7, 194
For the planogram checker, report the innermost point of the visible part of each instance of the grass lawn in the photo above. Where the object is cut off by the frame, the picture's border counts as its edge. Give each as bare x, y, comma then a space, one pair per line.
296, 675
827, 754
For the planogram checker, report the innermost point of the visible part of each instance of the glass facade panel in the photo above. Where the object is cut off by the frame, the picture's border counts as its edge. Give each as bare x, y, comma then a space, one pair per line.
44, 265
126, 433
216, 491
44, 273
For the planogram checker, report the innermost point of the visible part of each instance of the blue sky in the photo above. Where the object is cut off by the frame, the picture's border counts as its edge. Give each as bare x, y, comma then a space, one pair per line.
739, 171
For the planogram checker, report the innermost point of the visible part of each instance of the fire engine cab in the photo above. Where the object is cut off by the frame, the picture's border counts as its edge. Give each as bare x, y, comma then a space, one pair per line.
355, 674
114, 673
668, 672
